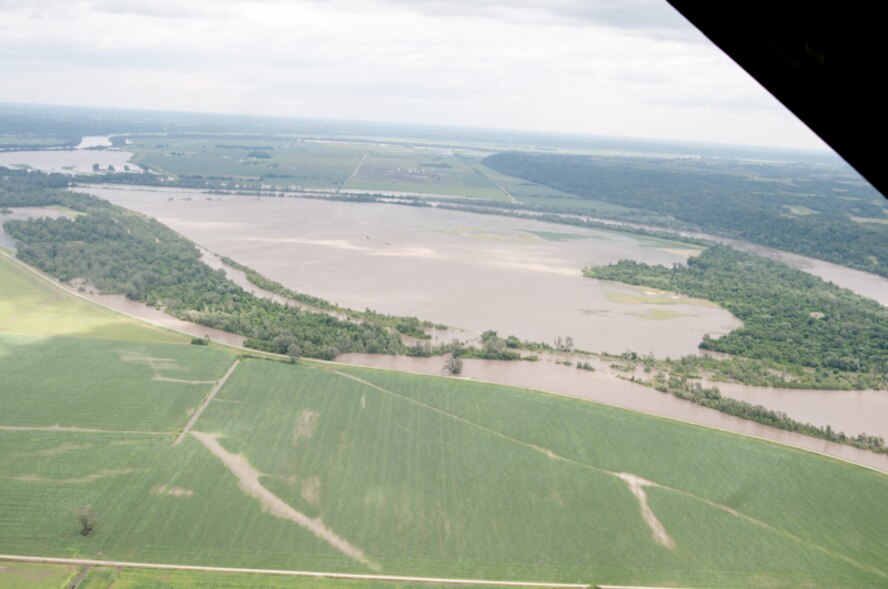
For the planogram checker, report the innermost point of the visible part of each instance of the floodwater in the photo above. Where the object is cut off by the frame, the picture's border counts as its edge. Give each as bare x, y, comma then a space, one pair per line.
22, 214
606, 388
71, 161
488, 272
158, 317
94, 141
468, 271
852, 412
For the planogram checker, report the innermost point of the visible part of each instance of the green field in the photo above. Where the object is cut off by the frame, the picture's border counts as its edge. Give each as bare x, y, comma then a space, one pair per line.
142, 386
32, 306
289, 162
16, 575
413, 169
325, 467
325, 165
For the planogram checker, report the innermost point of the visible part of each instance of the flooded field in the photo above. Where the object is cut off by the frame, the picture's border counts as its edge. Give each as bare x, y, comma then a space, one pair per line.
473, 272
79, 160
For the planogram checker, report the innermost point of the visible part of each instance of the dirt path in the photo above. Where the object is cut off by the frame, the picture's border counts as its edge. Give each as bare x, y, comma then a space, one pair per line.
80, 577
354, 173
288, 573
248, 477
82, 430
203, 405
624, 477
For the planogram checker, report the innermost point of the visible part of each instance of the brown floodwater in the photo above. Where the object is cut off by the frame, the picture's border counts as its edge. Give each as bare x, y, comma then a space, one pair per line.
69, 161
499, 273
606, 388
472, 272
158, 317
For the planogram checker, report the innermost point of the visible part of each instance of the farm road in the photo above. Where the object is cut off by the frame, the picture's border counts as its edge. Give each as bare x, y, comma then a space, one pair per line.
316, 574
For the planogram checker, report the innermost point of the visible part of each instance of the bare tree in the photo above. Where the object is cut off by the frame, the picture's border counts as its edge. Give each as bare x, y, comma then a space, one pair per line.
86, 515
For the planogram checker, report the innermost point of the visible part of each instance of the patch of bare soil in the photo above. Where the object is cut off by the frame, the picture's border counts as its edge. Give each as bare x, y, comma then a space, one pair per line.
311, 491
248, 478
305, 426
637, 486
171, 491
136, 357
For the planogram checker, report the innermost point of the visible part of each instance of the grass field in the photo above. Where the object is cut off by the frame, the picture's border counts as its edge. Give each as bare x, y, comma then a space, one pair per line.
32, 306
304, 466
142, 386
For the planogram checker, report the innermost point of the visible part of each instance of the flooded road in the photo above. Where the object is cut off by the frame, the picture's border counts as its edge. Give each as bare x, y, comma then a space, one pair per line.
473, 272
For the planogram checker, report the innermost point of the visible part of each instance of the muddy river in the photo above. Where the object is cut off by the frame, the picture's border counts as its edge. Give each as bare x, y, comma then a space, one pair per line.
469, 271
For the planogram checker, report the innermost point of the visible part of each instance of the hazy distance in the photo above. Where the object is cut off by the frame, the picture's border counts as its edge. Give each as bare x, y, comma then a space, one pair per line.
630, 69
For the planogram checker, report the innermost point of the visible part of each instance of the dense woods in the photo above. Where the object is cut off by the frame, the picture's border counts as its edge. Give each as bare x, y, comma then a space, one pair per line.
792, 207
825, 335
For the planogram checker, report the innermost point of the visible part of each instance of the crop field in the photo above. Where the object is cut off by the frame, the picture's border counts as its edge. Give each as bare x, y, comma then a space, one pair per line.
143, 386
322, 165
32, 306
326, 467
276, 162
406, 169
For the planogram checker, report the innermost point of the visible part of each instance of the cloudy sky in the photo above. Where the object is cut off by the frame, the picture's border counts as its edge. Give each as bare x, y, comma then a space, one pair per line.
615, 67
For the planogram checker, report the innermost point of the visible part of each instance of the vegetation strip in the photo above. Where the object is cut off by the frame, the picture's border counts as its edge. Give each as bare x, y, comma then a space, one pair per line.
203, 405
316, 574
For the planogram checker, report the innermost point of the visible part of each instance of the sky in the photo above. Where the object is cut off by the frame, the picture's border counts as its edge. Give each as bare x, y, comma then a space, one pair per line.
627, 68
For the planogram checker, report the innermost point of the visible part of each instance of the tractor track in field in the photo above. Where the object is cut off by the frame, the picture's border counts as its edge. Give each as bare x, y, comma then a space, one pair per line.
287, 573
200, 410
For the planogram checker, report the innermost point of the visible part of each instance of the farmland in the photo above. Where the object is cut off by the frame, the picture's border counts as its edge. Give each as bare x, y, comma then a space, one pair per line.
323, 165
524, 486
330, 468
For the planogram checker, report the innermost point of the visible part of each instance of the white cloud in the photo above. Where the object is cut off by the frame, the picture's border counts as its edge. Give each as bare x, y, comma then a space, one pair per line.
631, 68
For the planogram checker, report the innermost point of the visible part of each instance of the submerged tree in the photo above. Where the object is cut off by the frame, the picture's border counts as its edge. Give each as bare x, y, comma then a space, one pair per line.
453, 365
